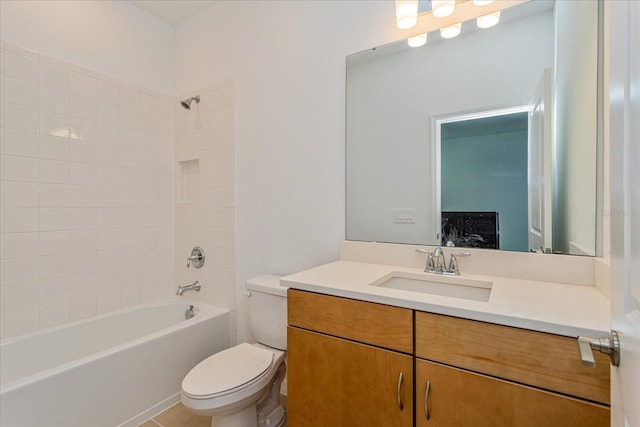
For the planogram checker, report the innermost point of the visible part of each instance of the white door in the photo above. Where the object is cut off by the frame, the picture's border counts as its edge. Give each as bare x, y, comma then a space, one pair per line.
624, 99
539, 166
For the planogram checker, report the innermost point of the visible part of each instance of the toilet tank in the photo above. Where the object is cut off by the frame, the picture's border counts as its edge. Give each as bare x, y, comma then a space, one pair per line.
267, 302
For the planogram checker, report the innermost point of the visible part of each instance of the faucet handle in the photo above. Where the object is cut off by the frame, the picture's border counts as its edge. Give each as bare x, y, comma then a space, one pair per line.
462, 254
196, 258
429, 267
453, 263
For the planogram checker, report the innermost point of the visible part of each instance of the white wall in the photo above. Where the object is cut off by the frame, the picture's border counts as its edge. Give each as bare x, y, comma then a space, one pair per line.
575, 154
287, 60
87, 161
114, 38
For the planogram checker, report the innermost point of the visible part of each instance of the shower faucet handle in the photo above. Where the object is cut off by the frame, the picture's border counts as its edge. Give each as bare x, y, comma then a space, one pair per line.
197, 257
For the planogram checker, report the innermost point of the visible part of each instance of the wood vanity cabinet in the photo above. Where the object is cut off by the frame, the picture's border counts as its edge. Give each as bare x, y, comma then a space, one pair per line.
481, 374
345, 357
344, 360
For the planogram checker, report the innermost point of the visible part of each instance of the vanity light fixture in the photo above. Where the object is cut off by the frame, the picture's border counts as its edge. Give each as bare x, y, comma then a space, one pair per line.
451, 31
488, 21
417, 41
406, 13
442, 8
482, 2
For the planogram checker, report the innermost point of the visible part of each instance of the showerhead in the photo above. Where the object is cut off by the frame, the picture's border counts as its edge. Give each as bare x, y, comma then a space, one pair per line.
187, 102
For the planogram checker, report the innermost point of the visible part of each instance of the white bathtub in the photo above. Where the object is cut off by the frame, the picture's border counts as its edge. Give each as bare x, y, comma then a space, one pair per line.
115, 369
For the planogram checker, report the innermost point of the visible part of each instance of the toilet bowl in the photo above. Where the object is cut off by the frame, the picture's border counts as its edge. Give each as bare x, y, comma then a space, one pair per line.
240, 386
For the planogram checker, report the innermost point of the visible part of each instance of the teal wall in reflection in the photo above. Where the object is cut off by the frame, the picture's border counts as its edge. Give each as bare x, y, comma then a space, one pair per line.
484, 168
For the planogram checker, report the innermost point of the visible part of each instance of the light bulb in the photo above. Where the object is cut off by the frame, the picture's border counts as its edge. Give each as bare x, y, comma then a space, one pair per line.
417, 41
442, 8
451, 31
488, 21
406, 13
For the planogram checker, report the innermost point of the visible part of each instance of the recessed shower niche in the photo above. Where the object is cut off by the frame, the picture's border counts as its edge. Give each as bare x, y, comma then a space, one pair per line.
188, 181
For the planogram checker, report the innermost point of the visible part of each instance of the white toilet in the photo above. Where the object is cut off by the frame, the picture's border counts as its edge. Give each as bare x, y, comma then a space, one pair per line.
240, 386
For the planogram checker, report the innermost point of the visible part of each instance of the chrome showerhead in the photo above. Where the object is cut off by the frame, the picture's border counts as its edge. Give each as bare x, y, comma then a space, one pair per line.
187, 102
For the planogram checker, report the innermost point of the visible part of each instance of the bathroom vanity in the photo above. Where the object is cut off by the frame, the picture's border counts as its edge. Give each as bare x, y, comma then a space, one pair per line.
361, 353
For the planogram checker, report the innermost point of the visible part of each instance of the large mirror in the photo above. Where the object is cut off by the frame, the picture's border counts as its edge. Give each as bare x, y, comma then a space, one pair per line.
490, 139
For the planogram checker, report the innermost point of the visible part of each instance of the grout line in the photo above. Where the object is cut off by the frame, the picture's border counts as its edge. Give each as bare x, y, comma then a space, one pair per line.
154, 421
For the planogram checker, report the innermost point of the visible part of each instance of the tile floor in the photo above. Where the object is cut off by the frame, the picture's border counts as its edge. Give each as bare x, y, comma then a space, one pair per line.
179, 416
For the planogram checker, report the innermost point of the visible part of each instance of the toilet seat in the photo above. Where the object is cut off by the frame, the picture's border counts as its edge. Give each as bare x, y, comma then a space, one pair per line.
227, 371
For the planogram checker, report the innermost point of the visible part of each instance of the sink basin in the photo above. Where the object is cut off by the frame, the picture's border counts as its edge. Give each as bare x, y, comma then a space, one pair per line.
448, 286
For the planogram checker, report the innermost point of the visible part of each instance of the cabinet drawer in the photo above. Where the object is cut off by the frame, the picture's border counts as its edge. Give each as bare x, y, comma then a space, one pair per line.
539, 359
458, 398
376, 324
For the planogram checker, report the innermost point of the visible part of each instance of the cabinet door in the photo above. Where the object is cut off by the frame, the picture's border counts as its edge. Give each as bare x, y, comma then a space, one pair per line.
333, 382
462, 398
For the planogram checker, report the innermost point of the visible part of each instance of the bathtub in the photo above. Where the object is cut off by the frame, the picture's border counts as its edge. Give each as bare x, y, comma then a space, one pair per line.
112, 370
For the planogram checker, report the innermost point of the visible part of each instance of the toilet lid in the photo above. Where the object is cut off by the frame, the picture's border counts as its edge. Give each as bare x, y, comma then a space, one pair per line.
226, 370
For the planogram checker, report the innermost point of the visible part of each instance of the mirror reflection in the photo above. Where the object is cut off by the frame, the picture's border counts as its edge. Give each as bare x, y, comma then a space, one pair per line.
489, 139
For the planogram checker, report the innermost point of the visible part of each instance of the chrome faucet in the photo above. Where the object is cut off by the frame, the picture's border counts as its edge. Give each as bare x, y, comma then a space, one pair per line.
195, 286
436, 262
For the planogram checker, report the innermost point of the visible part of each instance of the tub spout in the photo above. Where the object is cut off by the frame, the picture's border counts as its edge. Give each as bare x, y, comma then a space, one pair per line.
195, 286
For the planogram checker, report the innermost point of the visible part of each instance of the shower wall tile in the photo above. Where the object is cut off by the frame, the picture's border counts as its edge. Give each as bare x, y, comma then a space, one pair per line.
86, 192
21, 270
53, 314
54, 100
54, 195
25, 169
83, 83
82, 196
19, 143
21, 92
22, 194
22, 66
54, 171
82, 307
108, 113
206, 133
22, 321
19, 220
18, 245
54, 242
20, 117
83, 240
54, 147
83, 106
54, 73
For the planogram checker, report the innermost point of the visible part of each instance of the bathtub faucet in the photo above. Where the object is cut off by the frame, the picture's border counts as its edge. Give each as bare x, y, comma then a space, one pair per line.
195, 286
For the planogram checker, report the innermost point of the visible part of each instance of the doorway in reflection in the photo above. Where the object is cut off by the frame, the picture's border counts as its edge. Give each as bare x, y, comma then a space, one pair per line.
483, 181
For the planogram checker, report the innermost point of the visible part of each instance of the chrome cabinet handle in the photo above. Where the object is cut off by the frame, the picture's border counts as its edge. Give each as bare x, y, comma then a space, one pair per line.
426, 401
400, 404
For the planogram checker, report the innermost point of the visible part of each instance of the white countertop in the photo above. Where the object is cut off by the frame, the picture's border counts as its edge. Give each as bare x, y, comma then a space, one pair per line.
569, 310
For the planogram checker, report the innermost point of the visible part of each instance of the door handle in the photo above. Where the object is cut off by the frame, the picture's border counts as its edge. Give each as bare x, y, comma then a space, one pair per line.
610, 346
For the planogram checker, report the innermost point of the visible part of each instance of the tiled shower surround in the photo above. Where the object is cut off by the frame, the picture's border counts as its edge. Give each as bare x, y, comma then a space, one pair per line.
87, 193
206, 206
